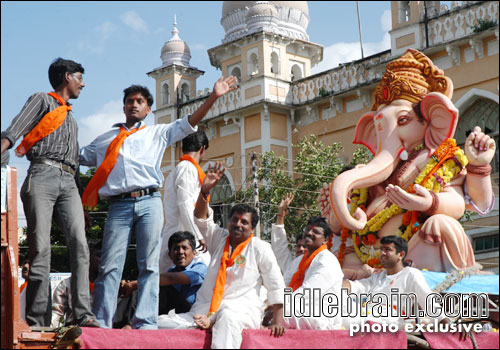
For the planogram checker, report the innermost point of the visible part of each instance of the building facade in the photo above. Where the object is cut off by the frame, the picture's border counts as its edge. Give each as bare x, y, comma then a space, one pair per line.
280, 102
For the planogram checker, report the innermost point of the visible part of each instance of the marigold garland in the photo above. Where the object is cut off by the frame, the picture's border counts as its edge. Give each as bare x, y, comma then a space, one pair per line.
447, 161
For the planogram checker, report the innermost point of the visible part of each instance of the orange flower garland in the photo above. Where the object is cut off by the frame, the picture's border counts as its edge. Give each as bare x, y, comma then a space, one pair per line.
442, 167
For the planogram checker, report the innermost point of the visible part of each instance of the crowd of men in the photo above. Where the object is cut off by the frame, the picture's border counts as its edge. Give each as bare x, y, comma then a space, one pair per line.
192, 272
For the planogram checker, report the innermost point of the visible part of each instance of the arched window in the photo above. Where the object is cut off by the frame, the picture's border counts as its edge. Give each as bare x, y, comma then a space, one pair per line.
275, 63
218, 196
184, 92
404, 11
253, 64
237, 73
296, 72
165, 94
483, 113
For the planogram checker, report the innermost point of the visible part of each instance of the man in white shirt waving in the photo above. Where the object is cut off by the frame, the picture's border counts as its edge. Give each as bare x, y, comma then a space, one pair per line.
240, 264
129, 176
182, 188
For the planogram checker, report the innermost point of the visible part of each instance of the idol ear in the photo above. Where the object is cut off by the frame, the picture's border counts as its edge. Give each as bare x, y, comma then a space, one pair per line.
442, 117
365, 133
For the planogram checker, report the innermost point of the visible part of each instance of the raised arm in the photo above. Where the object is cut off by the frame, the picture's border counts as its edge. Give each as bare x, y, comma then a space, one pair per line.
279, 241
480, 150
283, 208
221, 87
213, 176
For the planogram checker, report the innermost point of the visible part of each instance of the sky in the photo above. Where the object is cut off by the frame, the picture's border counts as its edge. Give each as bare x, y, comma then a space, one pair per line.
119, 42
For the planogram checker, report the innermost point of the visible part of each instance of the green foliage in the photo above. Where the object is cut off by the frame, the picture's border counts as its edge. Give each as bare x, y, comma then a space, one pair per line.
361, 156
322, 92
467, 217
314, 165
483, 24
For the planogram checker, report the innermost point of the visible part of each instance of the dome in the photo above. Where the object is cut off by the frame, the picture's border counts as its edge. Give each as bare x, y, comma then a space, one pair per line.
175, 51
175, 46
233, 6
262, 16
292, 18
262, 8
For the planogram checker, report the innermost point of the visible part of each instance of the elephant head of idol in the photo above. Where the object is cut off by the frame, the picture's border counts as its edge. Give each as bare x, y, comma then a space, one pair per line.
412, 107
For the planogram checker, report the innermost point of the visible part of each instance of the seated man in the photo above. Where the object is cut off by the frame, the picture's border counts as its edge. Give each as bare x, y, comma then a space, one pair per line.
22, 288
62, 310
178, 286
240, 263
317, 268
279, 241
397, 278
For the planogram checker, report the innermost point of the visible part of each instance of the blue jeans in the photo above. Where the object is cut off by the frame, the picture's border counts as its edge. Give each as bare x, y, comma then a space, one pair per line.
46, 192
145, 216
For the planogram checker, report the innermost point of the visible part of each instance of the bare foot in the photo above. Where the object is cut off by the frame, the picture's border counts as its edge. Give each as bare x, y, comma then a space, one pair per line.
127, 327
202, 321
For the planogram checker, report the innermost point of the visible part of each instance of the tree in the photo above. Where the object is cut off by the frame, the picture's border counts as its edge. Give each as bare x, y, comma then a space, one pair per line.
314, 165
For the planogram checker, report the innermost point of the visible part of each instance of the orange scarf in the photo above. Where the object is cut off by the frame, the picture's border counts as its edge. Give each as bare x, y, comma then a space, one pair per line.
21, 288
90, 195
201, 173
220, 283
298, 276
49, 123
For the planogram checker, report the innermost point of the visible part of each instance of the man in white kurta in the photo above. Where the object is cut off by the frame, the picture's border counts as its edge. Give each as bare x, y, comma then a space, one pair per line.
324, 274
182, 188
240, 307
396, 279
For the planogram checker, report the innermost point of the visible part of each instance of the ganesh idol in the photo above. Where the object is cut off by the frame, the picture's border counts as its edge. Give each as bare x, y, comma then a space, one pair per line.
419, 182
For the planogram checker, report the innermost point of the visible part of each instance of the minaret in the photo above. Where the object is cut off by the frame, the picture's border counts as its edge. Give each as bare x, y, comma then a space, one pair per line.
175, 85
175, 78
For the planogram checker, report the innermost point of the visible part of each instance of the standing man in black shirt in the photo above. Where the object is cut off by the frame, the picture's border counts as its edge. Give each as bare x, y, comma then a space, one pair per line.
51, 145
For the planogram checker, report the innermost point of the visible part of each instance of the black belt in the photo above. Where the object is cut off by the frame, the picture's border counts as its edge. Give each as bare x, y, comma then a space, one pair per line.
55, 164
135, 194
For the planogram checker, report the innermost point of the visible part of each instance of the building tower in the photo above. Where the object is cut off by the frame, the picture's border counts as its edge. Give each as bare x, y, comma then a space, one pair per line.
175, 84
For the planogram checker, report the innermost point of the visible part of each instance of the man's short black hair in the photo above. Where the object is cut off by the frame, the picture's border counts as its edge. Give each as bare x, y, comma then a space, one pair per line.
195, 141
320, 222
245, 208
399, 243
138, 89
58, 69
298, 237
181, 236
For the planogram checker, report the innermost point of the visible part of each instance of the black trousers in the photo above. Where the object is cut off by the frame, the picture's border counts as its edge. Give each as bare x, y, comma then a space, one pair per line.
169, 299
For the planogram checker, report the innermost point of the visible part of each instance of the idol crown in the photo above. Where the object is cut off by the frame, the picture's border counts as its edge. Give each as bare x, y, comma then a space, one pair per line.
411, 77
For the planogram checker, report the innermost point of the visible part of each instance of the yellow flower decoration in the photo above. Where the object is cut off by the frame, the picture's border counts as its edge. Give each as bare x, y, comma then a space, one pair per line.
447, 162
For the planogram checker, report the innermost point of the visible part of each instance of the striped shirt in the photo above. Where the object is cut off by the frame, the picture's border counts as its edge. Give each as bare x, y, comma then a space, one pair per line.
61, 145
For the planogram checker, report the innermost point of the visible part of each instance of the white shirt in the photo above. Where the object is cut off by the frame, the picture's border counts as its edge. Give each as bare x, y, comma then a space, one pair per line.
139, 160
243, 282
408, 280
279, 243
325, 274
182, 188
